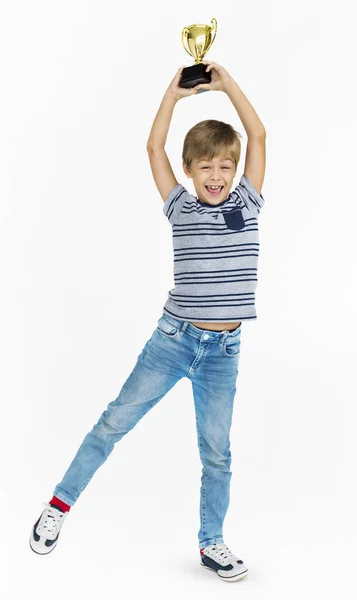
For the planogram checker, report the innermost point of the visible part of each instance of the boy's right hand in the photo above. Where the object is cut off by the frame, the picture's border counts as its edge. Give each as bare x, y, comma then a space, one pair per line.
178, 92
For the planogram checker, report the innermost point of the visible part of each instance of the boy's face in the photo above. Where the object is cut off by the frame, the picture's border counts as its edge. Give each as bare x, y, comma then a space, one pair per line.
220, 171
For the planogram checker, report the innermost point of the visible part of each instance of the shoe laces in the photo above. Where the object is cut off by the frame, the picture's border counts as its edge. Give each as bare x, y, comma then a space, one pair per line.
221, 553
50, 522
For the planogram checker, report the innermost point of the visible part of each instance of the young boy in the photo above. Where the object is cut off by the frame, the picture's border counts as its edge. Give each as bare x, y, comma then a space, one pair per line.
215, 239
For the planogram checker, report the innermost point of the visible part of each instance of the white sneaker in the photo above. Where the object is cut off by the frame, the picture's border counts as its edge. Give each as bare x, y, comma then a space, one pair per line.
219, 558
45, 532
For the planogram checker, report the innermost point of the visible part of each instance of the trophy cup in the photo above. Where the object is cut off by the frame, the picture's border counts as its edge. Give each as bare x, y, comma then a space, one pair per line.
197, 40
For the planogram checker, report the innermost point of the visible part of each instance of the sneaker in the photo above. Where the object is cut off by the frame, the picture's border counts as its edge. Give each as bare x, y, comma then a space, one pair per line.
219, 558
45, 532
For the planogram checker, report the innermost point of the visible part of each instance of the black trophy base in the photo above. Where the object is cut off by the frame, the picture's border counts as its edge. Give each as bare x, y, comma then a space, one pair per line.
194, 75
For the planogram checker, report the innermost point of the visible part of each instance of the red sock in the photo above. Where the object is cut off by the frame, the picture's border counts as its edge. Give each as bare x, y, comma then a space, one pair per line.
59, 504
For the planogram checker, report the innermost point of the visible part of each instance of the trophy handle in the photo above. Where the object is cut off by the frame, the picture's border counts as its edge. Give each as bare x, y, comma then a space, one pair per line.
184, 40
213, 33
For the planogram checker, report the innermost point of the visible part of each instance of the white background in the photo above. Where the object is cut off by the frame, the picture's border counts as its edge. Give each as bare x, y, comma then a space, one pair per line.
81, 82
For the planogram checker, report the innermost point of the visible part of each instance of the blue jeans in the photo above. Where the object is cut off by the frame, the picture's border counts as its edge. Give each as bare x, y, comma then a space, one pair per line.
176, 349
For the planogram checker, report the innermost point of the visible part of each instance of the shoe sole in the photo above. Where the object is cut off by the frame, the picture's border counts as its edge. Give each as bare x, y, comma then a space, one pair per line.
231, 579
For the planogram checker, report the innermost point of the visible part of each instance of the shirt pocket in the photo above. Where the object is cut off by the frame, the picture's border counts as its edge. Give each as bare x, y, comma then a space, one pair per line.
234, 219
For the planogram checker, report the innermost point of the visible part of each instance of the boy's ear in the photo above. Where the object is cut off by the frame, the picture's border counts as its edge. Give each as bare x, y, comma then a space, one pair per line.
186, 170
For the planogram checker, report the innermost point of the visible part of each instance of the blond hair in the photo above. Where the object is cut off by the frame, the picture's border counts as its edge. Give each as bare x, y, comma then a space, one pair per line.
211, 138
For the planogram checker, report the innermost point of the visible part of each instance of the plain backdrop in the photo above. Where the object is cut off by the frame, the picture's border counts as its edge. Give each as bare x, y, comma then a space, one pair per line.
81, 82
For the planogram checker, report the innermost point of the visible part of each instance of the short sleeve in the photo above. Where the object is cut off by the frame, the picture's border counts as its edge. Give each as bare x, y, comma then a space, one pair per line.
246, 192
175, 202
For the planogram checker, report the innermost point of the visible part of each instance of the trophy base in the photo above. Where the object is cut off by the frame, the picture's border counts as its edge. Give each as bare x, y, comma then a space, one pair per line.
194, 75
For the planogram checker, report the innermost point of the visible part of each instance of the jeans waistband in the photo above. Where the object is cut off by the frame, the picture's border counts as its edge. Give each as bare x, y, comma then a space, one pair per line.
201, 334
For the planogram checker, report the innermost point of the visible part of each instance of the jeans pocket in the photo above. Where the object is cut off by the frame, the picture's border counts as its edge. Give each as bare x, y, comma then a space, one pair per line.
231, 346
234, 219
166, 328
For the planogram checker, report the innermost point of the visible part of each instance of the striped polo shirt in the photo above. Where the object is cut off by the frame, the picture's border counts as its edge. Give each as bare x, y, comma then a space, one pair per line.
215, 255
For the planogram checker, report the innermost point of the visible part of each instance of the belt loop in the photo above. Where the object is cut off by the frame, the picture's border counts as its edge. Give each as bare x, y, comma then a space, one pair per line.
223, 338
183, 328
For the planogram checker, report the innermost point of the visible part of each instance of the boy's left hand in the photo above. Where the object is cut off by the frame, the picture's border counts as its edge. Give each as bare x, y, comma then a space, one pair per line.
220, 78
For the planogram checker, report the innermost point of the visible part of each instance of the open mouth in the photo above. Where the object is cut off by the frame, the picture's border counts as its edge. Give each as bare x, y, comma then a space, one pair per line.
214, 190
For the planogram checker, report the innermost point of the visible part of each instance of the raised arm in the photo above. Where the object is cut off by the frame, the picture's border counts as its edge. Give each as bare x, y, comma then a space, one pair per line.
160, 165
255, 159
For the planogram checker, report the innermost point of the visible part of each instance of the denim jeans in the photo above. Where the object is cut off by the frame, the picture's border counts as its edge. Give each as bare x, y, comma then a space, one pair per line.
176, 349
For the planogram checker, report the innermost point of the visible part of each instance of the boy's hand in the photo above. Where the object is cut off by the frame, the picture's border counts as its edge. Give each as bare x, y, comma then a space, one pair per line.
220, 79
178, 92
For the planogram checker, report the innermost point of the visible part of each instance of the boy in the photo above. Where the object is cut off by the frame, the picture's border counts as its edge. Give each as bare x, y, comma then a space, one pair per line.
215, 238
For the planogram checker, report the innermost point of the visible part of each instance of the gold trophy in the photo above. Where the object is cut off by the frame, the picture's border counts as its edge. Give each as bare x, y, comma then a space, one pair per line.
197, 40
